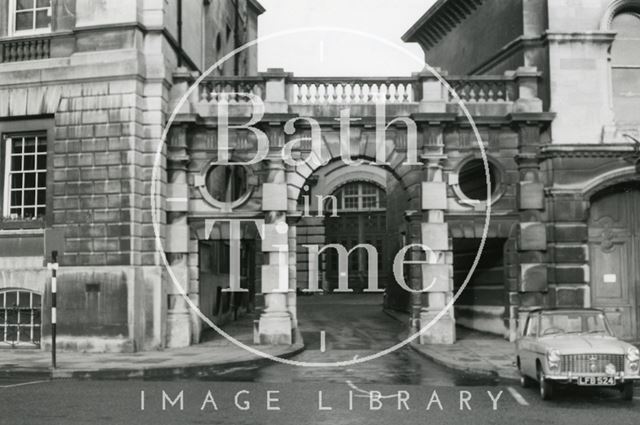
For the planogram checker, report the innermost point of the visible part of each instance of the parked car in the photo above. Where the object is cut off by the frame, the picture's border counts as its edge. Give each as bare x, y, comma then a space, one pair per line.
574, 347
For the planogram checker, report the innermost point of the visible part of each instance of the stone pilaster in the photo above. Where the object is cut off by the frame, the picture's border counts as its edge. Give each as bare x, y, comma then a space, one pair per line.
179, 324
531, 285
437, 271
275, 325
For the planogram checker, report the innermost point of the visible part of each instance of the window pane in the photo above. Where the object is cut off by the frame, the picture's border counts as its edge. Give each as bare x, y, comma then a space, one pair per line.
16, 181
42, 162
30, 145
12, 316
37, 300
12, 333
24, 4
42, 19
29, 197
1, 305
42, 197
24, 299
30, 180
42, 144
41, 212
16, 145
16, 163
29, 213
43, 3
24, 21
16, 198
24, 318
29, 162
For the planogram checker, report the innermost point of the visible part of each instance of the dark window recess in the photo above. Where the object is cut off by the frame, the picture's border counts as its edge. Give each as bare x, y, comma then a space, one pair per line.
93, 287
227, 183
472, 180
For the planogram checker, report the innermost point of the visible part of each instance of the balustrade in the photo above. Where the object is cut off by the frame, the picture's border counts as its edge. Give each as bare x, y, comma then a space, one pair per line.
25, 49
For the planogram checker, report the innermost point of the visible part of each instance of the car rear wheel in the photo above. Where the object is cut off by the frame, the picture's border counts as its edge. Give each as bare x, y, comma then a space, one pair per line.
627, 391
525, 381
546, 387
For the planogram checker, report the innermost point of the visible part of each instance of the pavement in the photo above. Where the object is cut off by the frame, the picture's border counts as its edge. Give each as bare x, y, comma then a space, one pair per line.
205, 359
473, 352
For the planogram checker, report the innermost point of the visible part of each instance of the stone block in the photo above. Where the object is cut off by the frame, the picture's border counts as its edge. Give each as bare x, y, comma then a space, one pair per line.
275, 329
274, 241
574, 232
435, 277
530, 196
569, 254
434, 196
569, 210
177, 238
569, 296
533, 237
274, 197
435, 236
533, 278
442, 332
571, 274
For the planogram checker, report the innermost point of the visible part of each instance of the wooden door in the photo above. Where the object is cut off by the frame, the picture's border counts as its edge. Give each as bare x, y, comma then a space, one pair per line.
614, 239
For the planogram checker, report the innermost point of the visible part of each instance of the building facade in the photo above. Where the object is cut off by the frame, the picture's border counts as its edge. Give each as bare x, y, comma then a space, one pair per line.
85, 90
86, 95
588, 57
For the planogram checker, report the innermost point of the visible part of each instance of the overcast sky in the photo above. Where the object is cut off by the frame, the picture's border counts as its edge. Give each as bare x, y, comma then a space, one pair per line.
340, 54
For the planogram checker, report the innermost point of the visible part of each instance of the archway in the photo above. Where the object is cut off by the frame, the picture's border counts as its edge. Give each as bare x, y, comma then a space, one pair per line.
614, 244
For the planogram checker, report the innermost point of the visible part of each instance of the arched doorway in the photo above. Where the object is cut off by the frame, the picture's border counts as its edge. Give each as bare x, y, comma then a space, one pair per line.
360, 219
614, 241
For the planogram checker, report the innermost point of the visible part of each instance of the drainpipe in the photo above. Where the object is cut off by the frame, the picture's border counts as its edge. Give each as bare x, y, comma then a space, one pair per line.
180, 33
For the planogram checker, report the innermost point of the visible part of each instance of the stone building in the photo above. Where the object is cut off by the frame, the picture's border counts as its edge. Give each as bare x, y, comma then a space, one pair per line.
85, 89
583, 233
86, 93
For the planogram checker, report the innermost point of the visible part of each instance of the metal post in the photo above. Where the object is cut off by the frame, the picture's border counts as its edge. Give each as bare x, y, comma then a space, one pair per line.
53, 266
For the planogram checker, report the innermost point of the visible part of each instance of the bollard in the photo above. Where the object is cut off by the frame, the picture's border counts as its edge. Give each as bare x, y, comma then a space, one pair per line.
53, 266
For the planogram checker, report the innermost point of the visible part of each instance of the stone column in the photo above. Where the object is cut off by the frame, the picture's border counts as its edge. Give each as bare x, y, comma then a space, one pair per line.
179, 327
275, 325
531, 237
437, 272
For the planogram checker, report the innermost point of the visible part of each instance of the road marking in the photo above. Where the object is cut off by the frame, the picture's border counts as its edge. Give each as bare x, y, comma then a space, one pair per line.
517, 396
23, 383
323, 342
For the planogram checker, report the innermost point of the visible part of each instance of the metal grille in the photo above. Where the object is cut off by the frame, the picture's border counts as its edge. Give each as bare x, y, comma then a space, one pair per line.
590, 363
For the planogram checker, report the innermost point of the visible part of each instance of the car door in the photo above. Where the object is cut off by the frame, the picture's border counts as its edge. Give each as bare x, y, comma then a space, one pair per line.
528, 344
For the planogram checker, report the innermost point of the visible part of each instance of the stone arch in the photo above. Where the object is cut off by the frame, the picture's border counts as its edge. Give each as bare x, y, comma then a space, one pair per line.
614, 8
609, 179
409, 176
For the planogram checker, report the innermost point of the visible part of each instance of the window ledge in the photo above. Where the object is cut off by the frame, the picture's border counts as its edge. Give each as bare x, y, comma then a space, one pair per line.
21, 224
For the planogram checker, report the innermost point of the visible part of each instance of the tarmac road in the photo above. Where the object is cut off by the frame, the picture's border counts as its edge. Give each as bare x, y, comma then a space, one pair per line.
401, 387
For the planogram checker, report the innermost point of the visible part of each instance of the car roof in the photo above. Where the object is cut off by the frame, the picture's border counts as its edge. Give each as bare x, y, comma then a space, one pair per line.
566, 310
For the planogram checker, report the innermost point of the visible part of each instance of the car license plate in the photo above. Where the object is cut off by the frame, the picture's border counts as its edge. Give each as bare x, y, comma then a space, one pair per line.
596, 380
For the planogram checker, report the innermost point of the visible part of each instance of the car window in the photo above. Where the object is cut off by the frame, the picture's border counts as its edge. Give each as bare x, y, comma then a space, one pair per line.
532, 329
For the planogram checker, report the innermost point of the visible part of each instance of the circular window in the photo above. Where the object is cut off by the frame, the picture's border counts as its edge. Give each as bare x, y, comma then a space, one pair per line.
472, 180
227, 183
